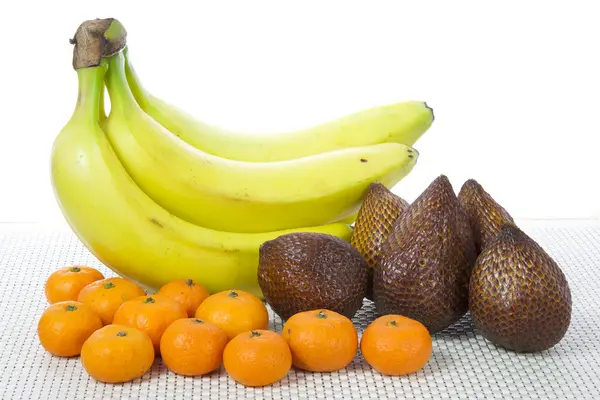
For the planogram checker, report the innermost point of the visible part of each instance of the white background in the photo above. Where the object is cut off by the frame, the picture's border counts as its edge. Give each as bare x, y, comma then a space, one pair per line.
515, 86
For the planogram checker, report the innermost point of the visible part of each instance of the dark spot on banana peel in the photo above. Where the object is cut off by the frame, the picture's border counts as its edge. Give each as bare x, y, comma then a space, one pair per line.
156, 222
518, 295
363, 160
424, 265
376, 216
486, 216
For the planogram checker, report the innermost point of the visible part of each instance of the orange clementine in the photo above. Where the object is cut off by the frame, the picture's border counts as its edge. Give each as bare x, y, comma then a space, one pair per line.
320, 340
187, 292
234, 311
106, 296
257, 358
192, 347
66, 283
396, 345
65, 326
116, 354
150, 314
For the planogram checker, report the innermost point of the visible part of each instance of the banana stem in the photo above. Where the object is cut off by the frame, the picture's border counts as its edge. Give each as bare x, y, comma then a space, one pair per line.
139, 92
120, 95
94, 40
91, 84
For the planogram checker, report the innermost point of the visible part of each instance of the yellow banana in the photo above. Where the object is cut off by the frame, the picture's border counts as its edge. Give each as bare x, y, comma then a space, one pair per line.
129, 232
403, 122
238, 196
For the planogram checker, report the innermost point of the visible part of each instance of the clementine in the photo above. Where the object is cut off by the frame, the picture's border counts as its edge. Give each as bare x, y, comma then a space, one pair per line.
320, 340
65, 326
106, 296
66, 283
187, 292
234, 311
116, 354
257, 358
151, 314
396, 345
192, 347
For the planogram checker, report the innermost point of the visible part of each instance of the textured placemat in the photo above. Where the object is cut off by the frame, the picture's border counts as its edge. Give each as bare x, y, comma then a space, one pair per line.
463, 364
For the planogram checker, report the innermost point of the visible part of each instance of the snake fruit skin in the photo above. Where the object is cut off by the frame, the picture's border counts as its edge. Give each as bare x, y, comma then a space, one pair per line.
377, 214
519, 297
424, 266
306, 271
485, 214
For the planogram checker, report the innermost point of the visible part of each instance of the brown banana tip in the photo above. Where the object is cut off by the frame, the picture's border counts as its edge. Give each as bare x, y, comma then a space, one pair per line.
430, 109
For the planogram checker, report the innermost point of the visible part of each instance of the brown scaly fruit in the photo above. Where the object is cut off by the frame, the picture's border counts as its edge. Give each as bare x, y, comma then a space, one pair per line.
377, 214
485, 214
424, 266
518, 296
306, 271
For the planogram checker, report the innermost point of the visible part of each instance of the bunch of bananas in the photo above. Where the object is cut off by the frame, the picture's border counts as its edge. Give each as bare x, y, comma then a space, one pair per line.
156, 195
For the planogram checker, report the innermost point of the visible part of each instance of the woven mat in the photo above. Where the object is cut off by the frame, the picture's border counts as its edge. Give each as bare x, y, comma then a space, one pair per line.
463, 365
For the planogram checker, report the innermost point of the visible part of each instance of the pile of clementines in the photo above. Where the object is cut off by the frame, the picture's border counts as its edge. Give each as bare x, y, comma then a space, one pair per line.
119, 330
